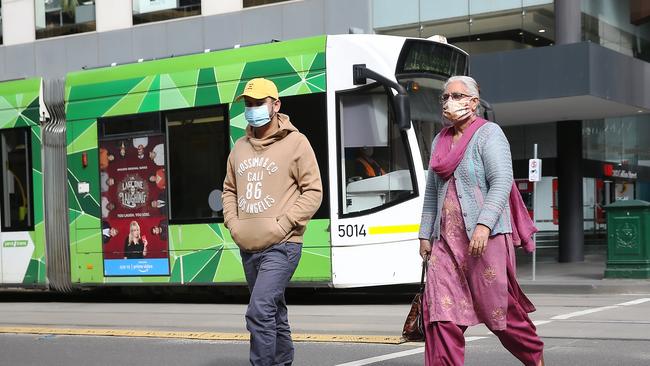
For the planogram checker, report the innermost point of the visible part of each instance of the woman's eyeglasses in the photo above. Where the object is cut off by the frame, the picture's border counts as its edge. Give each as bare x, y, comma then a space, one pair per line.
454, 96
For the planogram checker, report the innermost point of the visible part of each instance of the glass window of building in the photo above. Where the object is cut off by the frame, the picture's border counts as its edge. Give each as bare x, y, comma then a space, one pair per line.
250, 3
624, 140
522, 139
145, 11
623, 26
60, 17
475, 26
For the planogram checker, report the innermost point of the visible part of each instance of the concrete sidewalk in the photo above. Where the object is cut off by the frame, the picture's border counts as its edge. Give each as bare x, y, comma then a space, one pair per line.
573, 278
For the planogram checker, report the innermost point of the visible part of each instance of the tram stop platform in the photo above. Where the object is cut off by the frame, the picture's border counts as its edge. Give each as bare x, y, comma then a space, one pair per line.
587, 277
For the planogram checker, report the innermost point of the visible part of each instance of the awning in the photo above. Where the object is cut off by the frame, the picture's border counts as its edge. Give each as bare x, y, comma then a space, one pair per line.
566, 82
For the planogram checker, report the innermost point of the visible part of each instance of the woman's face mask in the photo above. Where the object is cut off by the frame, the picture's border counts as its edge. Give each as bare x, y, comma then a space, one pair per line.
456, 110
257, 116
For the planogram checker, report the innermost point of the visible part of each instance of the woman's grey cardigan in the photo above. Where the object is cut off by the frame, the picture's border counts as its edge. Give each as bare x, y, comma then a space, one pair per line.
483, 183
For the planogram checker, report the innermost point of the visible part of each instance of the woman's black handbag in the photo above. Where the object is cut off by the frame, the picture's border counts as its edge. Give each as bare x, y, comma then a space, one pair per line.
414, 325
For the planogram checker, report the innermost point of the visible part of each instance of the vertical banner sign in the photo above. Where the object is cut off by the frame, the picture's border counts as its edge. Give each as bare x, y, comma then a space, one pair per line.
134, 206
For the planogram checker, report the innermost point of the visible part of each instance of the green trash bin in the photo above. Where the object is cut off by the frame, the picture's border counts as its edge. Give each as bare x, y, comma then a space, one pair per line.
628, 239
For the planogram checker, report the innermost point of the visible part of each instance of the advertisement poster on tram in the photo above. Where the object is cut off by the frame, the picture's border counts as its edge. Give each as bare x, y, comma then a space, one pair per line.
134, 206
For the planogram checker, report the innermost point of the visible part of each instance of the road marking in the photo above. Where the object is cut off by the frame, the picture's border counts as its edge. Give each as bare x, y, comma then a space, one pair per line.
541, 322
602, 308
634, 302
390, 356
583, 312
208, 336
126, 333
591, 311
347, 338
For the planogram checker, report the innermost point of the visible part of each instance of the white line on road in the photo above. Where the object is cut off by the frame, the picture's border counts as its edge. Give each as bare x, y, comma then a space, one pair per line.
384, 357
634, 302
595, 310
583, 312
541, 322
390, 356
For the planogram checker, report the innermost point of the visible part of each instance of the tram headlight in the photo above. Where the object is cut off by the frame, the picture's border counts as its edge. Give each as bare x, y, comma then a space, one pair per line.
413, 86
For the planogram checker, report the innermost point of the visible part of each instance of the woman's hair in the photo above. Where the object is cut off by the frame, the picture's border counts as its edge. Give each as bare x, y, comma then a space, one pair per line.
470, 85
131, 226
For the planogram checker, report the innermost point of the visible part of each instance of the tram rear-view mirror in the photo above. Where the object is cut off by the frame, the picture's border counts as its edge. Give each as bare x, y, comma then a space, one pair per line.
360, 74
402, 111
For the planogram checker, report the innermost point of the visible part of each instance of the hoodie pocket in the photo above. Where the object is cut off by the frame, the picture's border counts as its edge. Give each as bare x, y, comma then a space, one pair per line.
257, 233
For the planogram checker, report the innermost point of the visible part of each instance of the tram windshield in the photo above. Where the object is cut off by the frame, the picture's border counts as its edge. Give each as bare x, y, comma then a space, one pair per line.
424, 94
423, 67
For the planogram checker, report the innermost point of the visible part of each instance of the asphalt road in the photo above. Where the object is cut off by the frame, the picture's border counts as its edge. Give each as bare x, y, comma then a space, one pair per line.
577, 329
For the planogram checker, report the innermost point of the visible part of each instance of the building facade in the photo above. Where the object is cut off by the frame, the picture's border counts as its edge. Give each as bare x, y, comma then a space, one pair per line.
571, 76
50, 38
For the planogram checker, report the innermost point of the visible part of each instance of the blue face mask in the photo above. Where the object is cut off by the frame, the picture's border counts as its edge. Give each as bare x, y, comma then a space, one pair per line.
257, 116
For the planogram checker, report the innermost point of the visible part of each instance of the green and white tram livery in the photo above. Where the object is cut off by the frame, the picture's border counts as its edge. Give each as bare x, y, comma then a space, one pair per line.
22, 254
145, 147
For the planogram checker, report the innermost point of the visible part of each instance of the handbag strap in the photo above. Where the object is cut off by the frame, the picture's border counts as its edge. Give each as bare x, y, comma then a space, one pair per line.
425, 264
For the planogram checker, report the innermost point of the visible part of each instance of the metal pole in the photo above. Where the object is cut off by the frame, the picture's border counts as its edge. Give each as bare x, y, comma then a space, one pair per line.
419, 20
535, 215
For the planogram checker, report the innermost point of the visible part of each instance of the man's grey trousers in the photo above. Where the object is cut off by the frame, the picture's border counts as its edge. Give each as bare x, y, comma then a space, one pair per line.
268, 274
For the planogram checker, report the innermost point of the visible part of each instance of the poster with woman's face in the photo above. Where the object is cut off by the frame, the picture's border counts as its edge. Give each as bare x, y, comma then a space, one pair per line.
134, 206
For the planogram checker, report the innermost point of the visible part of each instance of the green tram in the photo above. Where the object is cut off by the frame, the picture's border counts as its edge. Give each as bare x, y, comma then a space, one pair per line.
139, 150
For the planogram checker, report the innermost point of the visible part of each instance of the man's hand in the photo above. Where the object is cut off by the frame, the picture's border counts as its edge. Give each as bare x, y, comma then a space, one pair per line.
478, 244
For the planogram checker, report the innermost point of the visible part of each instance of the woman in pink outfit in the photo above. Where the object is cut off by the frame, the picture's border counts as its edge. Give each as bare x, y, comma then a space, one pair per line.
472, 219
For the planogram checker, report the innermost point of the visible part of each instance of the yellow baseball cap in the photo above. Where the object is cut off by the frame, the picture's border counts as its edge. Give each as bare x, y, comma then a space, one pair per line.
259, 88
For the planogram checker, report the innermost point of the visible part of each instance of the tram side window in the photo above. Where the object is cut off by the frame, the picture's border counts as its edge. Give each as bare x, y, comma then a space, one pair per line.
16, 180
376, 162
308, 112
198, 151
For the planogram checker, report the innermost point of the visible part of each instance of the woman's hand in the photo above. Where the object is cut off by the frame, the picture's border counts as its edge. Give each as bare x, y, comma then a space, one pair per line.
478, 244
425, 248
146, 244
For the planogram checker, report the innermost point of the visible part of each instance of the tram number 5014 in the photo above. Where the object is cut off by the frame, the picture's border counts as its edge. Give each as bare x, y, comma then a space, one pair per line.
352, 231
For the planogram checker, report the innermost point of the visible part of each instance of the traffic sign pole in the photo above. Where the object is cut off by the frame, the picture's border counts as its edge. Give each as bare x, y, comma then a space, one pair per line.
535, 212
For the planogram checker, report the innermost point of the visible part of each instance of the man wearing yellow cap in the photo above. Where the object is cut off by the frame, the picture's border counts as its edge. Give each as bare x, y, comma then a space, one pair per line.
272, 189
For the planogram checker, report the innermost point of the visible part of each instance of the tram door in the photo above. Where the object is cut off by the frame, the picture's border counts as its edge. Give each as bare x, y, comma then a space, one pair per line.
377, 187
16, 218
